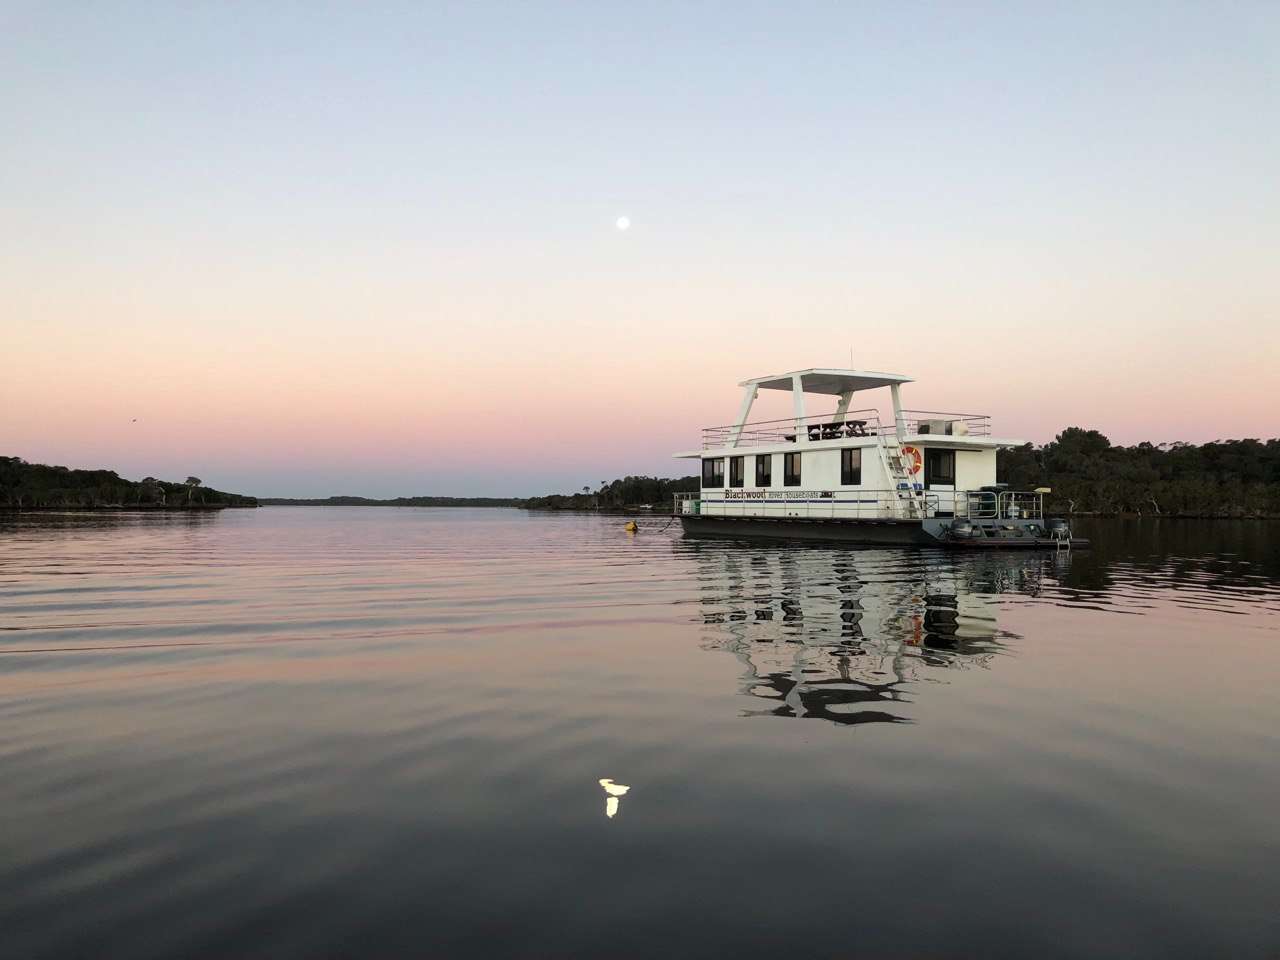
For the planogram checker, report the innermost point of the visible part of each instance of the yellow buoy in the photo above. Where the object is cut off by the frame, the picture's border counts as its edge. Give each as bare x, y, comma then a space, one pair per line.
631, 527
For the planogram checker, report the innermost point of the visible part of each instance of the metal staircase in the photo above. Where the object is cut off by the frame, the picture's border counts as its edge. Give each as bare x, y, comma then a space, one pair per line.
897, 466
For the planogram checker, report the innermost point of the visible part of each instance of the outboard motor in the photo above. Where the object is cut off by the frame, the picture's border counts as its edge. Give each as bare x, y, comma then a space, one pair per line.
1058, 529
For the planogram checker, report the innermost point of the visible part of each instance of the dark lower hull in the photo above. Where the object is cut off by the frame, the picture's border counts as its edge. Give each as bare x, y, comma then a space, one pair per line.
870, 532
901, 533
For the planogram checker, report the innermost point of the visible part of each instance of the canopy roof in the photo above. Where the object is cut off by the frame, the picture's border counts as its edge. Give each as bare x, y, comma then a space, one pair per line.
823, 380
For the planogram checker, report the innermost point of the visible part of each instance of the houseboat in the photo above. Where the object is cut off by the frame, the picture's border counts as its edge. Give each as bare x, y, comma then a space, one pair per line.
920, 478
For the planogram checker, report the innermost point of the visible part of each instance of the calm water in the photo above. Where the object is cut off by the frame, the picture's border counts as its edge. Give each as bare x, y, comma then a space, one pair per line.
301, 731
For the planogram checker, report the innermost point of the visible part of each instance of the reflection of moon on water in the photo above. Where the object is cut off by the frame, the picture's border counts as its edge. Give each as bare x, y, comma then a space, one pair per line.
614, 791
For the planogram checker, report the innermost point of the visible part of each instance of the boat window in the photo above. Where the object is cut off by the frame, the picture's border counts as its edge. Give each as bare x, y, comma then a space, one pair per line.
851, 467
791, 469
764, 469
713, 472
940, 467
736, 471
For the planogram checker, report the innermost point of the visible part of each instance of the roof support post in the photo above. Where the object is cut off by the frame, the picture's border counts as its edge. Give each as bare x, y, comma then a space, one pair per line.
797, 405
899, 421
843, 406
744, 410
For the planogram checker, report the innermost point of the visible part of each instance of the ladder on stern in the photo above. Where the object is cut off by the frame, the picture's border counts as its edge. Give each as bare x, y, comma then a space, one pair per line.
898, 466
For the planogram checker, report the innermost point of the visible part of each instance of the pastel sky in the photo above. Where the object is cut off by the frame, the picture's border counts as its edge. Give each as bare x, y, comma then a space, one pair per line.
371, 248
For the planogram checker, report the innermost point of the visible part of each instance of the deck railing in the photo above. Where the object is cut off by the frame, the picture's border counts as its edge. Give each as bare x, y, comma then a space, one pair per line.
976, 505
855, 423
807, 504
1002, 505
949, 424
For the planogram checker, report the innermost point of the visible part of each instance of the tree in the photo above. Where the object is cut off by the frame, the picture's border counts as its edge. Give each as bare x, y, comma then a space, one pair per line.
153, 490
192, 483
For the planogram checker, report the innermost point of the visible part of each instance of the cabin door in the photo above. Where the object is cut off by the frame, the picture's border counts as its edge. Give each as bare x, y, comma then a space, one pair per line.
940, 481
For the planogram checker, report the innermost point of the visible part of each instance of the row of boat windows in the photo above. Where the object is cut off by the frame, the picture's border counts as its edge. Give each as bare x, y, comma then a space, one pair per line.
939, 467
792, 463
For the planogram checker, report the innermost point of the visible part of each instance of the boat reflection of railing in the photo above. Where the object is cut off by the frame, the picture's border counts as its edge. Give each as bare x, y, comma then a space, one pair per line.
849, 636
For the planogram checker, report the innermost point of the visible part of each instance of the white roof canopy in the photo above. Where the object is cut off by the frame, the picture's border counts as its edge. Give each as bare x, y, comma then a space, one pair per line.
834, 382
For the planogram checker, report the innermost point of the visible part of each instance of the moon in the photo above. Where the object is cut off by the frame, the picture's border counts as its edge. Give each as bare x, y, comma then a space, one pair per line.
623, 223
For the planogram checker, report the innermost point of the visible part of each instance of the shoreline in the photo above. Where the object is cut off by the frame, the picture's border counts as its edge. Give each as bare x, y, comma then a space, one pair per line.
130, 508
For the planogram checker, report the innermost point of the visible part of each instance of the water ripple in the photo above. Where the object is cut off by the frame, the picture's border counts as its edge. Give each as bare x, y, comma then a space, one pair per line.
293, 732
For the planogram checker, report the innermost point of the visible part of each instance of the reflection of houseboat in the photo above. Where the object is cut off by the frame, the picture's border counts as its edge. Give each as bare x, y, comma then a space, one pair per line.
847, 635
927, 478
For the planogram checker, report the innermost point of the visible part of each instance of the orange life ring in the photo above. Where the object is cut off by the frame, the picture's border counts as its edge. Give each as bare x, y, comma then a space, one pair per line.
915, 456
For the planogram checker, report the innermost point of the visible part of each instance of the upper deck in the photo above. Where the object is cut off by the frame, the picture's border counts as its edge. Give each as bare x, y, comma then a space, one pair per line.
843, 424
850, 425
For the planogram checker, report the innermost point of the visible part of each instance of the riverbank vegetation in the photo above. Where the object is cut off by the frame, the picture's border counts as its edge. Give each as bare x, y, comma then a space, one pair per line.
1086, 472
628, 492
1089, 475
37, 486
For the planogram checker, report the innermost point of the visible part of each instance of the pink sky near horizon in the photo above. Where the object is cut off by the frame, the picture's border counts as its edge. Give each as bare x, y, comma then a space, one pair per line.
385, 261
344, 421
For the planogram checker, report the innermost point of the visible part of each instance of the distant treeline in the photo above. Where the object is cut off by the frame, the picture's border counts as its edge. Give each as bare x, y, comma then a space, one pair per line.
35, 486
617, 495
1226, 478
395, 502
